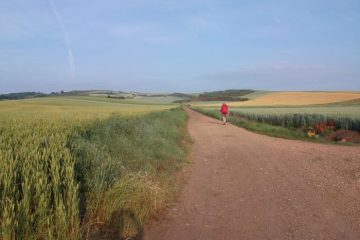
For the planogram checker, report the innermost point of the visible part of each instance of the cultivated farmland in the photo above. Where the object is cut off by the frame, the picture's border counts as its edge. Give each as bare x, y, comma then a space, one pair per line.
74, 167
290, 99
303, 98
80, 105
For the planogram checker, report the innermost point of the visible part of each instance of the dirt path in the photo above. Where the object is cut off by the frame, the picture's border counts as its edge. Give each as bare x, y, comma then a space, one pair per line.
242, 185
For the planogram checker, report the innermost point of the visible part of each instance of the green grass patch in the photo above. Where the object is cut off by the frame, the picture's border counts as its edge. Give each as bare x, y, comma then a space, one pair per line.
126, 168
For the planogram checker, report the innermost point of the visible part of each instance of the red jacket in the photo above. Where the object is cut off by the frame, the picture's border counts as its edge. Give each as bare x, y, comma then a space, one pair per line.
224, 109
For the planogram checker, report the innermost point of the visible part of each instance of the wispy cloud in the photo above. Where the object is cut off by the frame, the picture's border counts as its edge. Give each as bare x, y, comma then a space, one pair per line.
188, 43
70, 55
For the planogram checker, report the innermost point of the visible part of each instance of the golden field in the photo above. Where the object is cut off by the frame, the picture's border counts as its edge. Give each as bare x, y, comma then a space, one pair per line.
292, 99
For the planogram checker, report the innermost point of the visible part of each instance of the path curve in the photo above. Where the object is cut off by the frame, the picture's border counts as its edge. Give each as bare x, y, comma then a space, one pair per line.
243, 185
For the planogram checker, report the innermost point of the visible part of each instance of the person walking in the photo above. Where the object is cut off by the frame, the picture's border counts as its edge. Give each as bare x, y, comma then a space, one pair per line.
224, 111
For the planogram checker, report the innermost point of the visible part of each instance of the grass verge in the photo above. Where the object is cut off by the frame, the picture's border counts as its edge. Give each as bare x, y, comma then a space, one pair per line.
126, 166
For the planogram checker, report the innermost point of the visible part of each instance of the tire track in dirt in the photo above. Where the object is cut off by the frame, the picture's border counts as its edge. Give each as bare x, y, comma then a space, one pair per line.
243, 185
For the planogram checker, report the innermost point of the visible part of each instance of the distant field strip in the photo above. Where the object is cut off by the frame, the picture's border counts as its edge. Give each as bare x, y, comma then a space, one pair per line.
80, 105
293, 99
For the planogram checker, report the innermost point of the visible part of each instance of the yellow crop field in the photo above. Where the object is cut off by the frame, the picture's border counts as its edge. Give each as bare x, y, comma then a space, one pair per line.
78, 106
293, 99
33, 151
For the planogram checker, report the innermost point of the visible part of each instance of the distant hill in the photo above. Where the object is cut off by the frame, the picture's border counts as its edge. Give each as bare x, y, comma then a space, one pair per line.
84, 92
181, 95
230, 95
235, 97
227, 93
24, 95
21, 95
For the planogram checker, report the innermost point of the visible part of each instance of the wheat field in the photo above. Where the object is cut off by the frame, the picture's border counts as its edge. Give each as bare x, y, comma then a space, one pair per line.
68, 164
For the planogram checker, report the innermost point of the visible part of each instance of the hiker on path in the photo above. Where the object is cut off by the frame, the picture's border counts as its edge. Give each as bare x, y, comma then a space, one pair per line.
224, 111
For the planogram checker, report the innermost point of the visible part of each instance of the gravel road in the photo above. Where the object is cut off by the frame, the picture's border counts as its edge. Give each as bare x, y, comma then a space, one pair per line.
242, 185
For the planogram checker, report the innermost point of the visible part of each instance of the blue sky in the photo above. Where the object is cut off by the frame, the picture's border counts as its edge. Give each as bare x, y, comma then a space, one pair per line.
179, 45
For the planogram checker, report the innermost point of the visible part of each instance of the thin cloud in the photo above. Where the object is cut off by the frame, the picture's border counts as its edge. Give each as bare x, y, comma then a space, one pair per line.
70, 55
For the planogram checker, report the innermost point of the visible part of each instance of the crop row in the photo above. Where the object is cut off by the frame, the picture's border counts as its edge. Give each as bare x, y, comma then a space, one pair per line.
38, 197
300, 120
